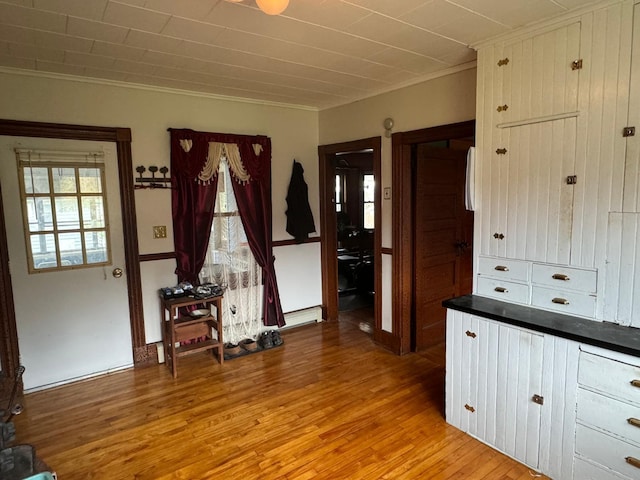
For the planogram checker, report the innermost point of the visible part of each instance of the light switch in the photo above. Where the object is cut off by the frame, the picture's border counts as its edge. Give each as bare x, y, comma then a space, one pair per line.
160, 231
387, 193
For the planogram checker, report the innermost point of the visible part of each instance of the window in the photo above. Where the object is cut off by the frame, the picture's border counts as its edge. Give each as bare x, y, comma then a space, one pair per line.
368, 209
230, 264
65, 214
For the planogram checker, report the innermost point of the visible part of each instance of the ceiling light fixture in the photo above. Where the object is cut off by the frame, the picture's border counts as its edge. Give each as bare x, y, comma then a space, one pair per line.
270, 7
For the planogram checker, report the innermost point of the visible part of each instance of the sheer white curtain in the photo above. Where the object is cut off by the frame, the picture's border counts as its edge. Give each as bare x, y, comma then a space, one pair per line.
230, 264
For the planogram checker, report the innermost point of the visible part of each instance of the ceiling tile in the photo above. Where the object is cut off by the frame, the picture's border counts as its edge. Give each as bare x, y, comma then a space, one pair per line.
128, 66
18, 34
117, 51
4, 48
92, 9
168, 59
192, 30
86, 60
152, 41
63, 42
14, 62
81, 27
328, 13
39, 53
412, 62
392, 9
453, 21
513, 13
134, 17
460, 56
45, 66
196, 9
27, 17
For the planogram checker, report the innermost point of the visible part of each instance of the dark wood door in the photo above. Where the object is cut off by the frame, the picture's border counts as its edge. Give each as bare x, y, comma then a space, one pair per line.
443, 240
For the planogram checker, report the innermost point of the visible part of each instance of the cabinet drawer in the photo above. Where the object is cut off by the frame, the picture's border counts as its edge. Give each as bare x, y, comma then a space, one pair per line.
584, 470
504, 268
607, 451
609, 414
503, 290
564, 278
609, 377
571, 303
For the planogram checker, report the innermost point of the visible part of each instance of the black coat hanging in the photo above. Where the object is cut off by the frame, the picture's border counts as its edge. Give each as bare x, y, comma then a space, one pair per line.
299, 217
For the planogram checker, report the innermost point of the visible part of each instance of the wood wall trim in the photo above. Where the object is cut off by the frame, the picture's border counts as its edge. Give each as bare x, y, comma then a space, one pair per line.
122, 138
403, 220
9, 355
152, 257
292, 241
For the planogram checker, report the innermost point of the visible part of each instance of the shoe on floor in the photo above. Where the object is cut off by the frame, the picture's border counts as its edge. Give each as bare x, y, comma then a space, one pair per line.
276, 339
265, 340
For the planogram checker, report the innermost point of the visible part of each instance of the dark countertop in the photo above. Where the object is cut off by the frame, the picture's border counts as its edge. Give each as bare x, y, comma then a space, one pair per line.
600, 334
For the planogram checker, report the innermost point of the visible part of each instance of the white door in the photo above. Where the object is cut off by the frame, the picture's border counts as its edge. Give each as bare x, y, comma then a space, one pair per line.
72, 313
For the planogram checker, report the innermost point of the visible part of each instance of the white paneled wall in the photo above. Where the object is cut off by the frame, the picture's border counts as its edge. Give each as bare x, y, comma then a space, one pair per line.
631, 201
622, 288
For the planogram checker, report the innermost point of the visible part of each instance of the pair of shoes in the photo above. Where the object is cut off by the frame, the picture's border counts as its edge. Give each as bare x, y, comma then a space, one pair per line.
265, 340
276, 339
249, 345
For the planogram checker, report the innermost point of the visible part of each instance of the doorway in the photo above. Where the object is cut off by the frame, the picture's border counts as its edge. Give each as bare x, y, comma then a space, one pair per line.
121, 137
350, 212
71, 311
407, 294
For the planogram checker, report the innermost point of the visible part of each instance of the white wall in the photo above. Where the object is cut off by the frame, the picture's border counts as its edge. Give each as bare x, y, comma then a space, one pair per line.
440, 101
149, 112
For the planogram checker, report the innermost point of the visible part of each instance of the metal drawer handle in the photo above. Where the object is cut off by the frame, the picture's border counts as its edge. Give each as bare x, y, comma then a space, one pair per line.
471, 409
560, 276
633, 461
634, 421
470, 334
635, 383
501, 268
501, 290
560, 301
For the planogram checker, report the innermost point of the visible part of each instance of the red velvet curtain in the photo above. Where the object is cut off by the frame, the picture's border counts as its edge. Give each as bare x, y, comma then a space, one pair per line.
193, 208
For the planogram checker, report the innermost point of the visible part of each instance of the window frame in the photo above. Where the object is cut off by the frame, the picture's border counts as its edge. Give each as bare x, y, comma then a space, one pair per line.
50, 165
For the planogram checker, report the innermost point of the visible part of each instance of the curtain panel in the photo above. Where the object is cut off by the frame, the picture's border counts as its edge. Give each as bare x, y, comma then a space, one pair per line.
194, 157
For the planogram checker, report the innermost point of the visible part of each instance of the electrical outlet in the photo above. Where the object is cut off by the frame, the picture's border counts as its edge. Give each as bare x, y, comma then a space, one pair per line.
160, 231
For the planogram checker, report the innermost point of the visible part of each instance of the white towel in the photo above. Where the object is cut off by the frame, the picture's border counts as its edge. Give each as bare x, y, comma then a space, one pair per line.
470, 187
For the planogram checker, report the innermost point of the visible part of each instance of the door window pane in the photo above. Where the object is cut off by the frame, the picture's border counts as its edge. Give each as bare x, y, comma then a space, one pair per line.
43, 248
39, 214
92, 212
67, 213
90, 180
96, 246
64, 180
36, 180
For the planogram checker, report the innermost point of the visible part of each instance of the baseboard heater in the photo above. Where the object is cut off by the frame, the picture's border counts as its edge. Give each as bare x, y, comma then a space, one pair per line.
302, 317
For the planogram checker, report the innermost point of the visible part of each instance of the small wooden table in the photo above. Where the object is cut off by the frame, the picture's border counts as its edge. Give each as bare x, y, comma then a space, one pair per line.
177, 327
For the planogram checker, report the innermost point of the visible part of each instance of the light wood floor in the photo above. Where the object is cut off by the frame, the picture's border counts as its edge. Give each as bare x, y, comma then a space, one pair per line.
328, 404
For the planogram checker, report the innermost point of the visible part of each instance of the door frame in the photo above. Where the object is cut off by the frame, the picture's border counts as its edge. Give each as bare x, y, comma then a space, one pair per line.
142, 353
328, 226
403, 226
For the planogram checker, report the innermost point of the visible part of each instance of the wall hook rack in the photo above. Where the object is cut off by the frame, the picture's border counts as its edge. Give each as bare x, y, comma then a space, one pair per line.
153, 181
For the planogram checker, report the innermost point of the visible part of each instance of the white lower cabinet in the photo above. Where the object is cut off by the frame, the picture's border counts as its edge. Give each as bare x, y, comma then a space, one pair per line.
494, 384
608, 415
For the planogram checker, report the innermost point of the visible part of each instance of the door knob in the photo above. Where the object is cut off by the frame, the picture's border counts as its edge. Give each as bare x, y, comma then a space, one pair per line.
117, 272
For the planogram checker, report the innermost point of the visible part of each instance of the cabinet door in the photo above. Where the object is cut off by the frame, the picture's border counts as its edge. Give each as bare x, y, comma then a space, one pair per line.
493, 371
530, 202
538, 76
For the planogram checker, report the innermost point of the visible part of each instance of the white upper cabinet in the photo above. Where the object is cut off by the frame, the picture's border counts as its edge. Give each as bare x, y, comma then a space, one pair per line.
552, 162
539, 79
